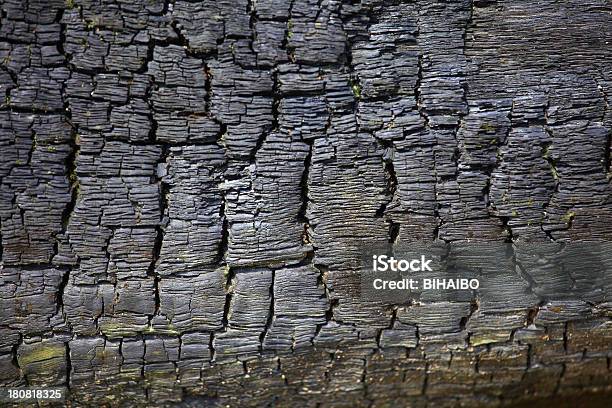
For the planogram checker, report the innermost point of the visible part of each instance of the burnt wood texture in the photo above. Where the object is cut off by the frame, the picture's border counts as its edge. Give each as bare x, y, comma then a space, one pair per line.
186, 188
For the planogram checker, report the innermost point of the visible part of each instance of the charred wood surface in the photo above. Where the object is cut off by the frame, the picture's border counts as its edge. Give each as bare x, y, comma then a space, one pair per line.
185, 188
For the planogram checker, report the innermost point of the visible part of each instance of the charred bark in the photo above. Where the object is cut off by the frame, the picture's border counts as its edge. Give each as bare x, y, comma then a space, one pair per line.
186, 188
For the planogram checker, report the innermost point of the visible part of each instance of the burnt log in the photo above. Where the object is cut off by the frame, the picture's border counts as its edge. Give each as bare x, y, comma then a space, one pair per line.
187, 188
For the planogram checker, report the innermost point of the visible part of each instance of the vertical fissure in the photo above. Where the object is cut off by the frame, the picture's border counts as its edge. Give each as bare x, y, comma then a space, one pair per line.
270, 318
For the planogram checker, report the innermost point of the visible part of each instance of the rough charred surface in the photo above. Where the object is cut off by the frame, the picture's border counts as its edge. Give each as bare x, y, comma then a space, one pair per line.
186, 188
